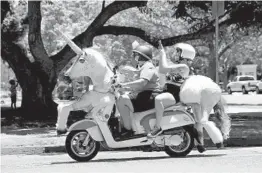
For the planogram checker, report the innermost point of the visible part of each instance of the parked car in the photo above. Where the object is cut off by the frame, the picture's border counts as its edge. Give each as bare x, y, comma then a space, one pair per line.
259, 87
242, 84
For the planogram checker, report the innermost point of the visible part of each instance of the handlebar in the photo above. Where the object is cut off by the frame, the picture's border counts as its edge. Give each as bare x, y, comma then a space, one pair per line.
115, 83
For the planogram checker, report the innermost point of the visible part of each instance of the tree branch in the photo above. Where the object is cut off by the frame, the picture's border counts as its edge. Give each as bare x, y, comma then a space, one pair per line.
221, 52
107, 13
85, 39
103, 5
153, 40
34, 36
15, 56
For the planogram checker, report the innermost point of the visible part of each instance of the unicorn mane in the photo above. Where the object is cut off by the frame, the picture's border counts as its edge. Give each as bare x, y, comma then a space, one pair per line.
109, 62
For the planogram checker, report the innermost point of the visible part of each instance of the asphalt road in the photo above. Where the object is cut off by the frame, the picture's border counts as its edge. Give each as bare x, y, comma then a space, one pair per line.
235, 160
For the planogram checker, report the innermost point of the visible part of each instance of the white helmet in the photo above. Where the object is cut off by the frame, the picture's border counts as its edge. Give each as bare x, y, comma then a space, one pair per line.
188, 51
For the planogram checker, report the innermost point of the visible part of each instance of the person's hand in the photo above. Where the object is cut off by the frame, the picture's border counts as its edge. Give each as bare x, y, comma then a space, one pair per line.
118, 86
160, 46
123, 89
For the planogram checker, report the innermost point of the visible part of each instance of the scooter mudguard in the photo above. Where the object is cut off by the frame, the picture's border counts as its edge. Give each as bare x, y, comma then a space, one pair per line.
89, 126
171, 119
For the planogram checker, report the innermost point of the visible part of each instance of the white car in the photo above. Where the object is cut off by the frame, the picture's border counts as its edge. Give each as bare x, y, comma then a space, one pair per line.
259, 87
242, 84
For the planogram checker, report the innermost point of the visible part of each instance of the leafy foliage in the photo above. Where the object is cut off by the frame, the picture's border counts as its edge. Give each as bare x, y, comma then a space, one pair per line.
12, 27
242, 13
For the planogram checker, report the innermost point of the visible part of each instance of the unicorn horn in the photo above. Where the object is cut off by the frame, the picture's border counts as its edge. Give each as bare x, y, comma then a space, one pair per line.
73, 46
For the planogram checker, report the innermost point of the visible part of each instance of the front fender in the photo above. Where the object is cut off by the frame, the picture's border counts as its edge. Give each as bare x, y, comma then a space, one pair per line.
90, 126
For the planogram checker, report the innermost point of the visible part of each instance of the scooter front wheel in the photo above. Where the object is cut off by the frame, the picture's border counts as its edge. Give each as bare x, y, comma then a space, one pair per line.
80, 146
184, 148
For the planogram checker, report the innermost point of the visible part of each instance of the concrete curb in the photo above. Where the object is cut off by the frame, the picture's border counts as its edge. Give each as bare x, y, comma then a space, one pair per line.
245, 115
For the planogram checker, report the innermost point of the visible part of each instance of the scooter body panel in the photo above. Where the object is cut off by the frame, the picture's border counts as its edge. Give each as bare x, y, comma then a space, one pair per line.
173, 117
90, 126
170, 119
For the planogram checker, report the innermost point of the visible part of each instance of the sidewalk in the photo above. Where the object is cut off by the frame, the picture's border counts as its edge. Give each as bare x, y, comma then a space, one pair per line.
240, 99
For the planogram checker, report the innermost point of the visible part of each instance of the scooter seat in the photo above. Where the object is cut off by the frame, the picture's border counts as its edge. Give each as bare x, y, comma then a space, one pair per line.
177, 106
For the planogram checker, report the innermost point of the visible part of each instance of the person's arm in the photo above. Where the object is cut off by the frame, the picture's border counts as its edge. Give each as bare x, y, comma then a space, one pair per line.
146, 74
136, 85
164, 67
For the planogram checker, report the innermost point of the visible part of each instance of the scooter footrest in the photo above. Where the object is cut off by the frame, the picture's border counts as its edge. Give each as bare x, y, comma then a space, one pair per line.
121, 138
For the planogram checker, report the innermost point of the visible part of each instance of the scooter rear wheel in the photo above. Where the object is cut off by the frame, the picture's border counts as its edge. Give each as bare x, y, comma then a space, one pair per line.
184, 148
75, 148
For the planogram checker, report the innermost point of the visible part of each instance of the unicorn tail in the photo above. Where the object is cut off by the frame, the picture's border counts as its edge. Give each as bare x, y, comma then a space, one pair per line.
224, 119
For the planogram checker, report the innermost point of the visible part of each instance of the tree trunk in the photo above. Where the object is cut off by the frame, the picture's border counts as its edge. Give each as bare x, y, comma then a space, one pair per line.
212, 61
37, 104
37, 100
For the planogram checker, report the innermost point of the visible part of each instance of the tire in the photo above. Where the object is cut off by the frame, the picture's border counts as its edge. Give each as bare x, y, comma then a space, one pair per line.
244, 90
229, 90
257, 90
189, 145
73, 150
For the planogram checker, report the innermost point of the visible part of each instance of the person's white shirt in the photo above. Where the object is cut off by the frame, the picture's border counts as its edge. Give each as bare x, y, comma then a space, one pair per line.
181, 69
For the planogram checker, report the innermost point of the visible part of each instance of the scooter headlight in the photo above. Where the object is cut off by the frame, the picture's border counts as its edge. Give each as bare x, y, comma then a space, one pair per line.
101, 115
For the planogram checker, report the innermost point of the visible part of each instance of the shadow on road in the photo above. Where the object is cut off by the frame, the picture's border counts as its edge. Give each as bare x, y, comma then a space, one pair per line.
140, 159
201, 155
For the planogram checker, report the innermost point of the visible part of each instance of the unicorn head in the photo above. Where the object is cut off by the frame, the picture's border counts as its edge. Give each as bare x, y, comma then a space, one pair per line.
92, 63
89, 61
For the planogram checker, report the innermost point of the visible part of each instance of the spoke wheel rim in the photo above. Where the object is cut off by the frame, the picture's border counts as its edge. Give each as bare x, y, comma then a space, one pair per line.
183, 146
77, 145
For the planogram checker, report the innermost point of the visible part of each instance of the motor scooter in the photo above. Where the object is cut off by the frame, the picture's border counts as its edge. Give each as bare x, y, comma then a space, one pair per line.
101, 126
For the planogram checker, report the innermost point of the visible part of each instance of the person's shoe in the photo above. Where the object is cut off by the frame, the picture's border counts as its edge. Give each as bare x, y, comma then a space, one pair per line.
219, 145
155, 132
61, 132
201, 148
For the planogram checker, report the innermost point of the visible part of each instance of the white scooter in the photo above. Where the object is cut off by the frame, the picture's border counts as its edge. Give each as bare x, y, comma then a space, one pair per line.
101, 126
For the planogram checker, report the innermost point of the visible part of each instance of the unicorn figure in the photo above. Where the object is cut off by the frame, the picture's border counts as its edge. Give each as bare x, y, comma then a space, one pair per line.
101, 75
